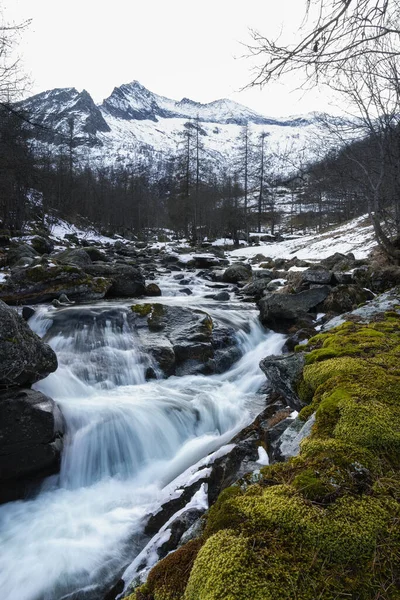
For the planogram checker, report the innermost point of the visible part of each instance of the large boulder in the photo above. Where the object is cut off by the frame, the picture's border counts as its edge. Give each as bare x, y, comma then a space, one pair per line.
344, 298
20, 253
280, 308
126, 281
257, 288
24, 358
319, 276
44, 283
31, 428
237, 272
42, 245
74, 256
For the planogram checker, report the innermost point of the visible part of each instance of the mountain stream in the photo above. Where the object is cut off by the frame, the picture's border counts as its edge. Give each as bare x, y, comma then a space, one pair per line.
129, 443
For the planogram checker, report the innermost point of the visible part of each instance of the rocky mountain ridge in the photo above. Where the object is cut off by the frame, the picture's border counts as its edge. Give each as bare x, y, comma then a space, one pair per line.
134, 124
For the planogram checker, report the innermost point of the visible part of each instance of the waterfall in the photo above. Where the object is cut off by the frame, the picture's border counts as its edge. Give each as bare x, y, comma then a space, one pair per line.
126, 440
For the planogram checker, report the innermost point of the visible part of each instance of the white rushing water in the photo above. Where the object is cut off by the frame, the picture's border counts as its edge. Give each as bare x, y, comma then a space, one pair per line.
127, 439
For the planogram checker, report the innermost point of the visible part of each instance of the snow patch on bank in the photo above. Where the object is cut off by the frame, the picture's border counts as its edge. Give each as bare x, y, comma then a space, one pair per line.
356, 236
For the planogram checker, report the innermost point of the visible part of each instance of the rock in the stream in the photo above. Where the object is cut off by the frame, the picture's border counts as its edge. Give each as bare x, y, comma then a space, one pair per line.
126, 281
31, 428
152, 289
24, 358
183, 341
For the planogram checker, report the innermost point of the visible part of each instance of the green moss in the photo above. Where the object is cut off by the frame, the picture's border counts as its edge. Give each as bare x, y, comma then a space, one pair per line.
42, 273
223, 513
168, 579
142, 309
312, 487
289, 548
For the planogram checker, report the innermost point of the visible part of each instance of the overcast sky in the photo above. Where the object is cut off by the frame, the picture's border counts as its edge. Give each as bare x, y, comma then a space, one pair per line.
176, 48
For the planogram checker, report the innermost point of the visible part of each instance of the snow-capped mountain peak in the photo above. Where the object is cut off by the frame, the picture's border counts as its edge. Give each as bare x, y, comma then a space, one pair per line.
134, 124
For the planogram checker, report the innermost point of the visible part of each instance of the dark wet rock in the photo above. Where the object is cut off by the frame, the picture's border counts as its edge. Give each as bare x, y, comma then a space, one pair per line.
343, 277
237, 272
27, 312
388, 301
73, 238
344, 298
384, 278
64, 299
170, 258
31, 428
221, 297
320, 276
43, 283
181, 340
42, 245
24, 358
152, 289
273, 286
95, 254
115, 591
169, 508
177, 528
299, 336
205, 261
20, 253
126, 281
5, 236
74, 256
283, 373
164, 356
187, 291
257, 288
278, 308
339, 262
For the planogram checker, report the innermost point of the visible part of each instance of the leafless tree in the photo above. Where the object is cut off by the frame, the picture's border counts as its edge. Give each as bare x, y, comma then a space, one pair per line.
333, 33
13, 80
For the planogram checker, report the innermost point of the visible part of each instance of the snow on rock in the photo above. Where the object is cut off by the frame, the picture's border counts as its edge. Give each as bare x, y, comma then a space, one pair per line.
263, 458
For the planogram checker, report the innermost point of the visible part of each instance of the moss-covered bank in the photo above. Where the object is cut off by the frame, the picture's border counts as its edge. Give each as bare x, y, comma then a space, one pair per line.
326, 524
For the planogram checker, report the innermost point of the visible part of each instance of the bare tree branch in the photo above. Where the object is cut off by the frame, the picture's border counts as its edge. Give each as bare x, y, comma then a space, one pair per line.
334, 32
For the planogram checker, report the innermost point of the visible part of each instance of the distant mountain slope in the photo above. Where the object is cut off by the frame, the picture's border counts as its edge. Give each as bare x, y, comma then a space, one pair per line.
133, 124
